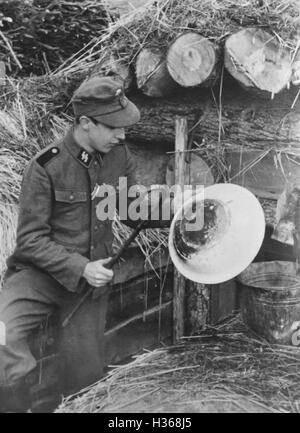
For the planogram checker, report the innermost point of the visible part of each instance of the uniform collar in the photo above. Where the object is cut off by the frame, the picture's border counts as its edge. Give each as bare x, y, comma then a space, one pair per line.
84, 157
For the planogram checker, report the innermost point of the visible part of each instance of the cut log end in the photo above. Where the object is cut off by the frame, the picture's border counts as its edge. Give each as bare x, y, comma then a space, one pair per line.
152, 76
191, 59
257, 60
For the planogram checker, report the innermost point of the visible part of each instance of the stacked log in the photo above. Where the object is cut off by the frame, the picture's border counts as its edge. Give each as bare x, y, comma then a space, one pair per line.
152, 75
243, 119
192, 61
252, 56
257, 60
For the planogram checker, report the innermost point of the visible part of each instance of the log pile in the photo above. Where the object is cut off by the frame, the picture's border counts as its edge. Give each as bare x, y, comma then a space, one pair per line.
178, 69
186, 41
191, 60
186, 56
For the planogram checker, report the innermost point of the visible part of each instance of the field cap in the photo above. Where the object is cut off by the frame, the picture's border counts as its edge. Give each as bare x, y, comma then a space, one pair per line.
103, 98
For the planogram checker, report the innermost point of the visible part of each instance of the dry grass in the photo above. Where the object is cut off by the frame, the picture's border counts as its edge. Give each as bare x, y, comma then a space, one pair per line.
149, 241
225, 368
158, 23
8, 226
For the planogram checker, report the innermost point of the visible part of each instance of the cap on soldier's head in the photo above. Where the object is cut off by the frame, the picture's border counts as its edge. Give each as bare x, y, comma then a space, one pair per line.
103, 98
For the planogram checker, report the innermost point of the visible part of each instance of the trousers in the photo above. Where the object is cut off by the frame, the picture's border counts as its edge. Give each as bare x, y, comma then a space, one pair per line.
28, 297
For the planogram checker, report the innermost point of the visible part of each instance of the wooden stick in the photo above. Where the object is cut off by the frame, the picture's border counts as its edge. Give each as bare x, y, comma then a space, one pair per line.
10, 50
181, 142
143, 315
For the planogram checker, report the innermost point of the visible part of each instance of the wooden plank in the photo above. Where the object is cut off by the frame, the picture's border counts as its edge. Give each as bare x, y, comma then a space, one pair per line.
144, 333
198, 305
181, 140
143, 315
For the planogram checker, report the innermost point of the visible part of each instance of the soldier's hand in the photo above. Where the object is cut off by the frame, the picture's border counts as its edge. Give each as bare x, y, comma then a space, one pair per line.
96, 274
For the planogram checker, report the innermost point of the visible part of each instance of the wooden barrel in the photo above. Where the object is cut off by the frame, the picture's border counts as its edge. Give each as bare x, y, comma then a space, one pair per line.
270, 301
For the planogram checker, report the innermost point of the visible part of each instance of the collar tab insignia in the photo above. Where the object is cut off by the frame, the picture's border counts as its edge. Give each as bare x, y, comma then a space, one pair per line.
84, 157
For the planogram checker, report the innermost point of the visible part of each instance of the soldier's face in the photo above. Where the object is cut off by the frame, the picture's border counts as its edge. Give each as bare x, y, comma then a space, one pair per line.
103, 138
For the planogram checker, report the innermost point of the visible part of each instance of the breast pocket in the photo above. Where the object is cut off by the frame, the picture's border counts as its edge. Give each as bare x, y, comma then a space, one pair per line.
71, 210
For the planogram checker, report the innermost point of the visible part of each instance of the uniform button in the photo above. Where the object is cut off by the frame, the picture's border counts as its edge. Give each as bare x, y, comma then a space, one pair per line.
95, 163
71, 197
50, 341
96, 228
92, 247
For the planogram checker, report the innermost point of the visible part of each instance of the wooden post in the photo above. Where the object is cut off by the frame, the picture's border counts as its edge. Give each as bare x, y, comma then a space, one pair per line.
181, 140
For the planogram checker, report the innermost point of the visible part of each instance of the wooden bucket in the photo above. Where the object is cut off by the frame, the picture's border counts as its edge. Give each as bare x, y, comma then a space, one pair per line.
270, 301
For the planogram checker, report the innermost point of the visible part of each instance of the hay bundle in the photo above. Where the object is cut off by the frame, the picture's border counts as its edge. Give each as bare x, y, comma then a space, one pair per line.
8, 226
224, 369
149, 241
19, 144
159, 23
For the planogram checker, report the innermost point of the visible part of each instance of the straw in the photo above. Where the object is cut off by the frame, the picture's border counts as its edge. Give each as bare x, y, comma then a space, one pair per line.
225, 368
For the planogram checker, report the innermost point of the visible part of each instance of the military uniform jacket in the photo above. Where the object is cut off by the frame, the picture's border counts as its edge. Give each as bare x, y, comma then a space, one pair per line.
58, 229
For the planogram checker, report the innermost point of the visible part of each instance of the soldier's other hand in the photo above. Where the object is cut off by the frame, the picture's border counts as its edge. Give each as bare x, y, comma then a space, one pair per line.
97, 274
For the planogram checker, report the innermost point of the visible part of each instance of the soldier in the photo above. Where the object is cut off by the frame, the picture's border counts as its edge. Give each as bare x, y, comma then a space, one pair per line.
61, 244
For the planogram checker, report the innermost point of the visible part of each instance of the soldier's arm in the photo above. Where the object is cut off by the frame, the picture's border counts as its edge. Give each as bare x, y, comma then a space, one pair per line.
34, 243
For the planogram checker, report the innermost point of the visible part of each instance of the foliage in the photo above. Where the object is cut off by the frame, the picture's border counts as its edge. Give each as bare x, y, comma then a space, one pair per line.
43, 33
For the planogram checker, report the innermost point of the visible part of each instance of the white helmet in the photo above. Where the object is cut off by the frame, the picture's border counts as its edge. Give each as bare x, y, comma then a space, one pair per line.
227, 241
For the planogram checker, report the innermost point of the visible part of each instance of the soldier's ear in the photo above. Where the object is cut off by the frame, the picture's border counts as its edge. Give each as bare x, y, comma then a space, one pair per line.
84, 122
